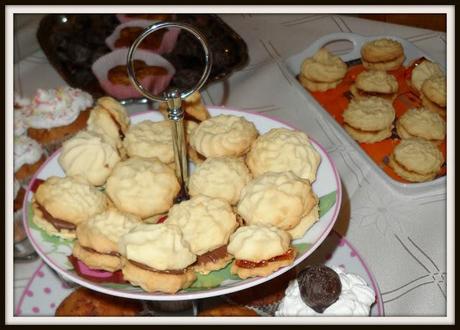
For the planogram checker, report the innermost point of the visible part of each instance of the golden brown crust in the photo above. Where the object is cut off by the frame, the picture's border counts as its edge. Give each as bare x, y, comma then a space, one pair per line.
59, 134
96, 260
385, 66
84, 302
208, 267
27, 170
266, 270
429, 105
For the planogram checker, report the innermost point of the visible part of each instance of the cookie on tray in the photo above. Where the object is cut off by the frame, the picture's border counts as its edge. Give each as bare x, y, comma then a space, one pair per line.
375, 83
206, 224
422, 123
223, 135
369, 119
260, 250
382, 54
142, 186
434, 95
97, 239
282, 150
87, 154
416, 160
156, 257
424, 70
220, 177
60, 204
322, 71
282, 200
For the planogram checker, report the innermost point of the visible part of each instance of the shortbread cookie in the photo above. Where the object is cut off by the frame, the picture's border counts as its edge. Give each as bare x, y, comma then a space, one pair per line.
382, 54
305, 223
223, 135
87, 154
97, 239
434, 89
281, 150
61, 204
260, 250
314, 86
375, 83
193, 107
156, 257
431, 106
143, 187
416, 160
424, 70
369, 119
277, 199
421, 123
220, 177
323, 67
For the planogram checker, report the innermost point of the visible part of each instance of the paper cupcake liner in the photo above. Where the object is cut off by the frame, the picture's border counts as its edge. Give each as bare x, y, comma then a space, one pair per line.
155, 84
167, 43
123, 18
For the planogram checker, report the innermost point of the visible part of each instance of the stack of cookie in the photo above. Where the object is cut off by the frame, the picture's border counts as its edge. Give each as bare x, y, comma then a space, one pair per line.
382, 54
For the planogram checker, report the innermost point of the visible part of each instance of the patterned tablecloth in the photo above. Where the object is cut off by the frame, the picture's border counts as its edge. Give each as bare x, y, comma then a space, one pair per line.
402, 238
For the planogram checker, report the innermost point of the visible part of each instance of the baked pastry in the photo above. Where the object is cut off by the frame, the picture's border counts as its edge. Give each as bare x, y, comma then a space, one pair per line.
194, 109
320, 290
21, 111
260, 250
223, 135
97, 239
375, 83
281, 200
130, 33
422, 71
282, 150
323, 71
421, 123
88, 155
206, 224
143, 187
369, 119
416, 160
220, 177
85, 302
57, 114
61, 204
227, 310
433, 94
382, 54
28, 157
109, 119
157, 258
119, 74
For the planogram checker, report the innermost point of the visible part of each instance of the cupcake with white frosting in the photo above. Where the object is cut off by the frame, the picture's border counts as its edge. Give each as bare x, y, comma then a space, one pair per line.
28, 157
57, 114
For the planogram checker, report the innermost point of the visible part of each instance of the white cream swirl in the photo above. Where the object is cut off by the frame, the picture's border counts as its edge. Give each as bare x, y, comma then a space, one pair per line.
355, 299
26, 151
57, 107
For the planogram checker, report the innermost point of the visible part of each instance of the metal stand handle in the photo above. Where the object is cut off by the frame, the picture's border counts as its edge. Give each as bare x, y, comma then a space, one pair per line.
173, 98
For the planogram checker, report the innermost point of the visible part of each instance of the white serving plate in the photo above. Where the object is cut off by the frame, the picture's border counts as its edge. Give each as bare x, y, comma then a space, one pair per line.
293, 64
54, 251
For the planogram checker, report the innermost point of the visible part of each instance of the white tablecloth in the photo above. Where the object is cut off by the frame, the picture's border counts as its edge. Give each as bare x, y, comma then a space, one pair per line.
402, 238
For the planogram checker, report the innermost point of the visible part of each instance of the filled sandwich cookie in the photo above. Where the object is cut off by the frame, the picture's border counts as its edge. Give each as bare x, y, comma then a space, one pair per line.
61, 204
156, 257
382, 54
375, 83
421, 123
434, 94
206, 224
260, 250
97, 239
423, 71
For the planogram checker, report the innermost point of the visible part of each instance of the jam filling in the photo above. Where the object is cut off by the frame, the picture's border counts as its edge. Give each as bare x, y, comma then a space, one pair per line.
112, 254
251, 264
212, 256
150, 269
120, 131
57, 223
363, 131
368, 94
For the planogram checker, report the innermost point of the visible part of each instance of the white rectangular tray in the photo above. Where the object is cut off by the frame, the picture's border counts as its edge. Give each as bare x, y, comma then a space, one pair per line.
293, 64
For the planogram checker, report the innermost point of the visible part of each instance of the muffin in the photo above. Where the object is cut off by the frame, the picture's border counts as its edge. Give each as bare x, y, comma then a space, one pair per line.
375, 83
260, 250
28, 157
88, 155
282, 150
144, 187
206, 224
323, 71
157, 258
382, 54
61, 204
97, 239
58, 114
220, 177
282, 200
